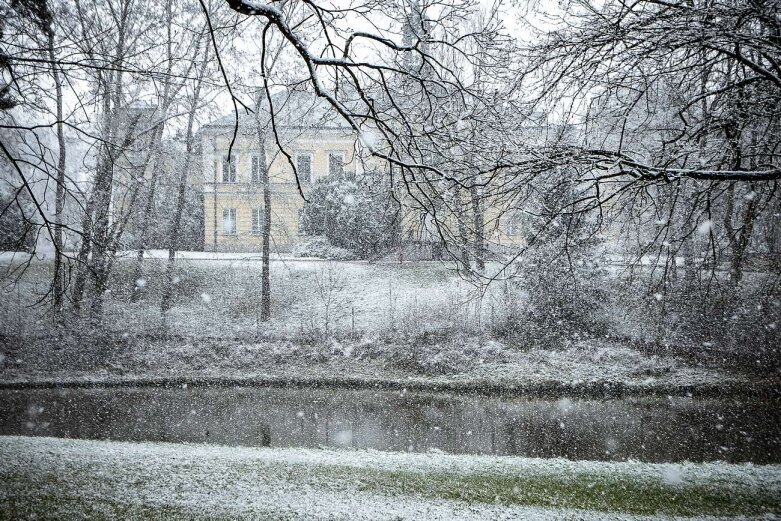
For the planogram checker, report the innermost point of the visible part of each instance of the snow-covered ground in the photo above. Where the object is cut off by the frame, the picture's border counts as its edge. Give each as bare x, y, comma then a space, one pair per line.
585, 368
352, 322
72, 479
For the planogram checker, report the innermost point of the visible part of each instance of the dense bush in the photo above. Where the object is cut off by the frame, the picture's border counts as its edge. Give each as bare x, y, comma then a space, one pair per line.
320, 247
563, 275
352, 215
704, 318
17, 228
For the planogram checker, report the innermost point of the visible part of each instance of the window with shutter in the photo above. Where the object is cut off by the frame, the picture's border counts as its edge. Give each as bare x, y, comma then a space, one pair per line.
229, 221
257, 172
304, 167
228, 170
257, 221
336, 164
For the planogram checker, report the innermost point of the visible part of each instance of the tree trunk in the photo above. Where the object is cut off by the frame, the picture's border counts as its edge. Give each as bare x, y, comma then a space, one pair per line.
462, 233
155, 149
95, 224
214, 217
479, 224
743, 239
173, 232
82, 259
265, 276
100, 228
740, 245
102, 239
265, 285
148, 208
88, 231
59, 201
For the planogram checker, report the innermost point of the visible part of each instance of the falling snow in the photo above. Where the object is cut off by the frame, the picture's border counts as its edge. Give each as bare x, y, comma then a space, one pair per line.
390, 261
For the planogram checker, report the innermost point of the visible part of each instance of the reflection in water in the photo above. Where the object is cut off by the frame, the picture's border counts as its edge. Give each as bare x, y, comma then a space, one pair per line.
647, 429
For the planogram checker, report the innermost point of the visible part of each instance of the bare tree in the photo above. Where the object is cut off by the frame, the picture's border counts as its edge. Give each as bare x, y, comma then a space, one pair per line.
403, 96
118, 131
173, 84
184, 168
568, 69
34, 28
677, 100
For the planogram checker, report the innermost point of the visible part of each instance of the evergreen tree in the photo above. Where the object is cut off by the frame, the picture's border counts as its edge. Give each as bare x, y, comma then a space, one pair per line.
361, 218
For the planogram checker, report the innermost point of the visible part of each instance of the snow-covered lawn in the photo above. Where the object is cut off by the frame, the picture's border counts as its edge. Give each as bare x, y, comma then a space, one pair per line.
415, 323
585, 368
57, 478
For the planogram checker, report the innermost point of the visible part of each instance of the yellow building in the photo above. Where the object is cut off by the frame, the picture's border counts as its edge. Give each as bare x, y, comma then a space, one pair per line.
317, 142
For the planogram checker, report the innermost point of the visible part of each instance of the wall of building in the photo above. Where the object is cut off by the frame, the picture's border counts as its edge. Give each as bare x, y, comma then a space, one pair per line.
243, 195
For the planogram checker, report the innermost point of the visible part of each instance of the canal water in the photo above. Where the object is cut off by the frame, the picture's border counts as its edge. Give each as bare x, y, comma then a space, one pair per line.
670, 429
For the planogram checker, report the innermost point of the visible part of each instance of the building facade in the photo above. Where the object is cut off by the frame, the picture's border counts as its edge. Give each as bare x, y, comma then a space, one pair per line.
318, 145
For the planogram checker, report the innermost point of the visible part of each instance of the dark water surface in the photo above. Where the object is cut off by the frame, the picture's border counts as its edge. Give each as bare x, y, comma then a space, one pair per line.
645, 429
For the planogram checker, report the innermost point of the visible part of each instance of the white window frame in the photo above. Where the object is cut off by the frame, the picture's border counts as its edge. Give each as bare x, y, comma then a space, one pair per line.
230, 170
230, 214
255, 170
258, 217
342, 155
311, 165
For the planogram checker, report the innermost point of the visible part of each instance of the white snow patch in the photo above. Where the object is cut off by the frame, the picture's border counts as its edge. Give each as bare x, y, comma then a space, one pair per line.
672, 475
565, 405
343, 438
705, 227
368, 139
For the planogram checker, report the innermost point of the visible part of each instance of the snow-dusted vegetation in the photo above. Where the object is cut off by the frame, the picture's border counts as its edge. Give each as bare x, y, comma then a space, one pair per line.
65, 478
350, 321
532, 250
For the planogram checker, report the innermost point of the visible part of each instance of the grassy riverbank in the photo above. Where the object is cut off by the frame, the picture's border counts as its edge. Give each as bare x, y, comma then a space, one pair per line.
412, 325
56, 478
585, 369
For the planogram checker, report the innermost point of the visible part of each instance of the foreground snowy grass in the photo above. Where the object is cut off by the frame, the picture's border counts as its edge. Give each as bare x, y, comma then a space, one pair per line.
58, 478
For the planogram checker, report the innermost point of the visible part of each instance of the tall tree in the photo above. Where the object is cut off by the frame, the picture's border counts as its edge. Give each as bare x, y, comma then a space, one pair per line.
184, 169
